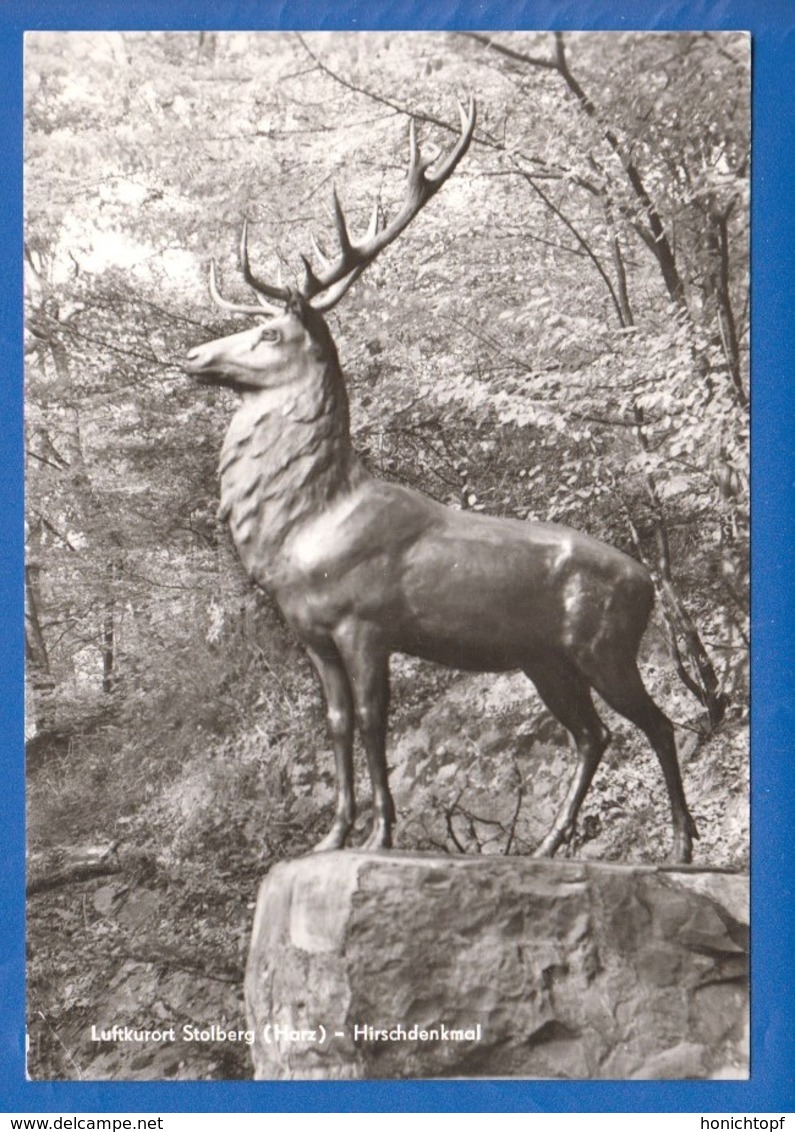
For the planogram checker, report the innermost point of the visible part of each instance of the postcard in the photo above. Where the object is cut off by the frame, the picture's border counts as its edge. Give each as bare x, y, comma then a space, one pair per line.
387, 564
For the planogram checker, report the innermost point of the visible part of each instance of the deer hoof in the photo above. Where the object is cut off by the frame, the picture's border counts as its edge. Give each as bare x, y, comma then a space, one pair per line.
380, 838
550, 845
682, 852
334, 839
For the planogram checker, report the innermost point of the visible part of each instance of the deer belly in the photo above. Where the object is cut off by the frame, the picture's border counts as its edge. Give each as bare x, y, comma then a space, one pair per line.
488, 607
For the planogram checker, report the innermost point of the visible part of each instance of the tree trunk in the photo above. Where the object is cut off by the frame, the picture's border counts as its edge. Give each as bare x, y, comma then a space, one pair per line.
40, 679
109, 634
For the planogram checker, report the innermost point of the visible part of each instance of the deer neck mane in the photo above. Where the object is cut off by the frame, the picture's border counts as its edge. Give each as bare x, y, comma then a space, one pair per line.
286, 456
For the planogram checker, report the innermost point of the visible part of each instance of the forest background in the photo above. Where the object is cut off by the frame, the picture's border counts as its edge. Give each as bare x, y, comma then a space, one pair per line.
562, 334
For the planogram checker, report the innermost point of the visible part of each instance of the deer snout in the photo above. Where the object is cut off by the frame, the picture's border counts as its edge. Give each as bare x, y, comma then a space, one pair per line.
203, 363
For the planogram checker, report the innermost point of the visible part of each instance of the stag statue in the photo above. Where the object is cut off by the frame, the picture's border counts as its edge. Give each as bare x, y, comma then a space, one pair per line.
362, 568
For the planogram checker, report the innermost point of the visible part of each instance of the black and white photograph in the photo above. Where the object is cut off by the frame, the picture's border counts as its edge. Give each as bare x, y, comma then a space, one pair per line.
387, 555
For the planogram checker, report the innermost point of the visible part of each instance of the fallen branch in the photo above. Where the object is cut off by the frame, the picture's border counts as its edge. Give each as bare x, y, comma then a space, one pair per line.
82, 863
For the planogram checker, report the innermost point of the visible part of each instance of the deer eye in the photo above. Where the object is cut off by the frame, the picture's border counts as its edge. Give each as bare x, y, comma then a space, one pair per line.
265, 335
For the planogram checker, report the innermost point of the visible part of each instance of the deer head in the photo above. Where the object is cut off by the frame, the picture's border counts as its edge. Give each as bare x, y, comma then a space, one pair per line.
269, 354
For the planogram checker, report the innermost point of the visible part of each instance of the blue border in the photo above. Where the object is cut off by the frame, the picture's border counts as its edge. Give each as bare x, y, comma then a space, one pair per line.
770, 1089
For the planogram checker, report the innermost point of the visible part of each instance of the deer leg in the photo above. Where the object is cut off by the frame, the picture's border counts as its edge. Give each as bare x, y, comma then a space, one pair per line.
621, 686
568, 697
368, 671
339, 718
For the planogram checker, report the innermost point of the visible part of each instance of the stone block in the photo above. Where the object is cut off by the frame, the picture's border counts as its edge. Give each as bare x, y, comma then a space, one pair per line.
396, 965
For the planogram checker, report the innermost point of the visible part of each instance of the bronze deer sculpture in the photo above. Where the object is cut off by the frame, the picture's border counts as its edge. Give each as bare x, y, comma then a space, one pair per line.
362, 568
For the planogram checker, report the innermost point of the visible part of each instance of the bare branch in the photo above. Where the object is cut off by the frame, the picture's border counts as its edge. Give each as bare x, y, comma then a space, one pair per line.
396, 107
658, 241
580, 240
510, 53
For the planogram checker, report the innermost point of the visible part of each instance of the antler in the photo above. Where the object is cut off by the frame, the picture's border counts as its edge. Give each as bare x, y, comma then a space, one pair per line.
260, 307
335, 276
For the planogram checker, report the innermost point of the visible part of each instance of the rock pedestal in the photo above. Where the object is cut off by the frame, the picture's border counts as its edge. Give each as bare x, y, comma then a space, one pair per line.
370, 965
